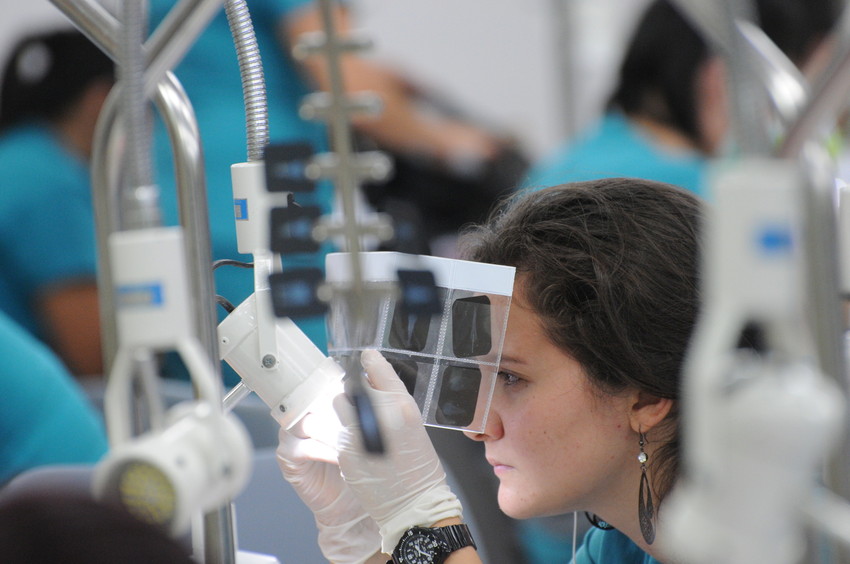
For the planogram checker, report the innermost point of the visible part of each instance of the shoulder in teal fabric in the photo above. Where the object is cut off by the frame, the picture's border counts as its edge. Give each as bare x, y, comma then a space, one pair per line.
45, 418
614, 147
610, 547
47, 232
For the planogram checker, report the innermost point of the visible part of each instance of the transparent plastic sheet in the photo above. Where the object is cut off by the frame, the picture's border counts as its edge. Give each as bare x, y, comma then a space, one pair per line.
448, 361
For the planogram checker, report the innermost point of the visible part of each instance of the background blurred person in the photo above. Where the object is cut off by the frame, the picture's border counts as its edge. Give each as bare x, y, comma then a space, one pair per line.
54, 85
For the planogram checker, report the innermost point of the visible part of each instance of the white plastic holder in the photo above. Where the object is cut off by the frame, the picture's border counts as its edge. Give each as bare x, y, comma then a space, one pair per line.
252, 204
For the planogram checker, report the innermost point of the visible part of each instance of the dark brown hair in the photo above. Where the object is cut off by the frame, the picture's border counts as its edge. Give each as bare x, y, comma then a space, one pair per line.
611, 269
45, 527
47, 73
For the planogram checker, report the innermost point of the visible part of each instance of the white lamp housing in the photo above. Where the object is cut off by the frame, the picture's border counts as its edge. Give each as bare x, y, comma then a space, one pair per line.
299, 374
198, 460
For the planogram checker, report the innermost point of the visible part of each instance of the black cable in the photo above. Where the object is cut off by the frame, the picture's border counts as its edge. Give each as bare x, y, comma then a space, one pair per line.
225, 303
231, 262
221, 300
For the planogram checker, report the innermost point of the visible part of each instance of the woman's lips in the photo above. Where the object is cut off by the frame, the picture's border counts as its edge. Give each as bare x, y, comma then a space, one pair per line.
499, 467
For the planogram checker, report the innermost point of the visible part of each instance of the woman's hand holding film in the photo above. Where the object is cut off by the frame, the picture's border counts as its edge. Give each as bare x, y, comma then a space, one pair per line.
406, 485
307, 458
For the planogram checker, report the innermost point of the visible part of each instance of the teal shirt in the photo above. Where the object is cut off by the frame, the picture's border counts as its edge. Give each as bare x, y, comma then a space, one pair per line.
610, 547
612, 148
47, 233
45, 418
210, 74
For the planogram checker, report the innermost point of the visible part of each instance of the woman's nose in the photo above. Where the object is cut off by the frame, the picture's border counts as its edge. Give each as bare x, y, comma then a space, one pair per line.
492, 429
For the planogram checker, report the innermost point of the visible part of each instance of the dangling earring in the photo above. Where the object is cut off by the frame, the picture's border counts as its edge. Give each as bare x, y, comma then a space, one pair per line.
646, 511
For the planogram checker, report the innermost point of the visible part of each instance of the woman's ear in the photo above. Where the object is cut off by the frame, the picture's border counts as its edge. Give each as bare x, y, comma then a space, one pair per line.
648, 410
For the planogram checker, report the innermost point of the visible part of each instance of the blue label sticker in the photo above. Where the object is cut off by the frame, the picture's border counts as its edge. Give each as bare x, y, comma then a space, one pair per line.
140, 295
240, 209
775, 239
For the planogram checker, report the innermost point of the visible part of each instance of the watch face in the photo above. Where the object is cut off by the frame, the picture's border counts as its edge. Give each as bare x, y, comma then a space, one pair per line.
420, 549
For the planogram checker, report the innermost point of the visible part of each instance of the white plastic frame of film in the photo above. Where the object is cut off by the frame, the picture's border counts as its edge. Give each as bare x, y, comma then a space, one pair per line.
450, 361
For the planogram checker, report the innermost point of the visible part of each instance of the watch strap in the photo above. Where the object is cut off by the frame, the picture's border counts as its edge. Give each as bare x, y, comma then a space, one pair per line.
457, 536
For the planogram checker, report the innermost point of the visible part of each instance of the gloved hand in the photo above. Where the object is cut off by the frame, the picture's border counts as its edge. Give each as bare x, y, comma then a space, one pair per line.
347, 534
405, 486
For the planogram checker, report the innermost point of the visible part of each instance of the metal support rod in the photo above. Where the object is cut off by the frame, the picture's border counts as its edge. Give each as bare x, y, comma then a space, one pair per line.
564, 17
717, 21
828, 95
168, 46
165, 48
825, 314
177, 113
341, 141
828, 98
140, 204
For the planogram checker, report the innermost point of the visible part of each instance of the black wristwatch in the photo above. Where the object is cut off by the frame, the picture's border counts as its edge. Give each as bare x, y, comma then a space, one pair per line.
422, 545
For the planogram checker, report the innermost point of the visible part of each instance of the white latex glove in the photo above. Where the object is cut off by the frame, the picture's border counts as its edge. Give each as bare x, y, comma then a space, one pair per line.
405, 486
347, 534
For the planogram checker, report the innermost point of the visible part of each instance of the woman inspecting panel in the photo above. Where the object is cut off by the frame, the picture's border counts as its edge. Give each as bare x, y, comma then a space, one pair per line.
585, 414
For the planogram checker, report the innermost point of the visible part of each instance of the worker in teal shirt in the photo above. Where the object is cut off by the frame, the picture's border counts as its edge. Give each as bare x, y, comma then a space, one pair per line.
602, 547
45, 418
616, 146
668, 113
54, 85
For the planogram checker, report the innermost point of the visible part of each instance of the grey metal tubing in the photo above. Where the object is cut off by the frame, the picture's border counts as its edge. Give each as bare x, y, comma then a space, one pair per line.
828, 98
786, 86
175, 107
828, 94
175, 35
173, 104
107, 213
100, 26
144, 211
564, 17
717, 22
253, 79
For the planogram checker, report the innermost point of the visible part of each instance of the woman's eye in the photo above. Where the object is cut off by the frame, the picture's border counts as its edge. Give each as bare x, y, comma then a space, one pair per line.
508, 379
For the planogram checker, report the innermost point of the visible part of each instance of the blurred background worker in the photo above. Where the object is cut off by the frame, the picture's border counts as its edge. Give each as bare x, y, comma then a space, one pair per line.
54, 85
669, 110
45, 418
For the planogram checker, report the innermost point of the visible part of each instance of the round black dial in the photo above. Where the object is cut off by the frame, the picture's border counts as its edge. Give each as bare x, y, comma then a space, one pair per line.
420, 549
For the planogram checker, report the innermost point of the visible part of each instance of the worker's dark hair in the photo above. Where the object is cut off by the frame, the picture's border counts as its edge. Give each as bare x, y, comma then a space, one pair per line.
47, 73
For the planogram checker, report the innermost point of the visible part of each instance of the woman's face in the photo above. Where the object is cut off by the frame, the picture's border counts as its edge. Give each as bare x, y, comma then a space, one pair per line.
555, 444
